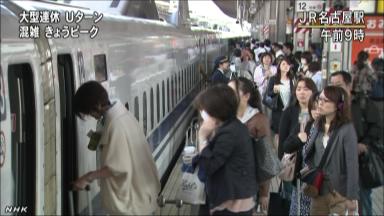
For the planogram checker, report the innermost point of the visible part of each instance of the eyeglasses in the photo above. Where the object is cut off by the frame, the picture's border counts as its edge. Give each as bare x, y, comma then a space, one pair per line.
324, 100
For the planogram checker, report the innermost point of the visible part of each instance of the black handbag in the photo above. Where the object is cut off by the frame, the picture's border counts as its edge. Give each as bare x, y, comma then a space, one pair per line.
371, 168
267, 164
278, 203
270, 102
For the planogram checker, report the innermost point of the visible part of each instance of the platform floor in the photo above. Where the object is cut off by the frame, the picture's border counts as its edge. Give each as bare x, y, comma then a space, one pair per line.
169, 193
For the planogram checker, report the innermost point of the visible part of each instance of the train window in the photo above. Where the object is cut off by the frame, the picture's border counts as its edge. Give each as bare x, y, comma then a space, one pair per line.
163, 97
158, 102
100, 63
168, 96
179, 86
171, 96
137, 116
114, 3
152, 110
23, 136
195, 73
176, 89
126, 106
188, 80
145, 113
184, 83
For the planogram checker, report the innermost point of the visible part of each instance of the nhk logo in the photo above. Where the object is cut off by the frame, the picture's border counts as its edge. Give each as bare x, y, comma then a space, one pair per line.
16, 209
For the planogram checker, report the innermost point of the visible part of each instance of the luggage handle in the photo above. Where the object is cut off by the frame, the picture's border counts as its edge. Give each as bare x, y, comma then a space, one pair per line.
191, 135
71, 201
161, 201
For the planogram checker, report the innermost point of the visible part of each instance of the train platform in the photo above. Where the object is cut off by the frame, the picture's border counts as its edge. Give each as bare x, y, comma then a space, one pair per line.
171, 187
176, 208
169, 194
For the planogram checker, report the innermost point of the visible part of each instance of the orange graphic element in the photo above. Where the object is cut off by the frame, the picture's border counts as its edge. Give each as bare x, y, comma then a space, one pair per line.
373, 42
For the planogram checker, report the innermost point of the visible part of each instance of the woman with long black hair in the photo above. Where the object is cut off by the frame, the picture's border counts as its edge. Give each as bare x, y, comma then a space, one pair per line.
281, 86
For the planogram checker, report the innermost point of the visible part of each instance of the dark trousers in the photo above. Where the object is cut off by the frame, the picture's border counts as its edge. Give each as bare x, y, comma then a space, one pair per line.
226, 212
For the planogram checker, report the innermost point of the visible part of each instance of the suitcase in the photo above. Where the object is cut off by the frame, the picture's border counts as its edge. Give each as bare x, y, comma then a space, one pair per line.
72, 204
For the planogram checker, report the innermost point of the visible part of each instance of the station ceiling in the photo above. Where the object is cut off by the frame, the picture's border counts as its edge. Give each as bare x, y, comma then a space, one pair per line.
227, 6
240, 9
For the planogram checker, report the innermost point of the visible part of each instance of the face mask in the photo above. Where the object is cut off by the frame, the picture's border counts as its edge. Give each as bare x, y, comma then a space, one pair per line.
204, 115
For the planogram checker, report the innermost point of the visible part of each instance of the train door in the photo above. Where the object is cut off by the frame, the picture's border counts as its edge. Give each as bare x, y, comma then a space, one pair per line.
68, 129
23, 135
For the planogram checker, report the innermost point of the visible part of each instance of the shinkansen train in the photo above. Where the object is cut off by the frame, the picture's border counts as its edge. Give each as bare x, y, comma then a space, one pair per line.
152, 67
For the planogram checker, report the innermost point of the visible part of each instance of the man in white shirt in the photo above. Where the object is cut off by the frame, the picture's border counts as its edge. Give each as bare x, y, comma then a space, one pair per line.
129, 180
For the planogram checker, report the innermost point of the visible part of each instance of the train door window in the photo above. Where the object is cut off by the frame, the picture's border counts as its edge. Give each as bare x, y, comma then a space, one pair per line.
68, 127
158, 103
145, 113
23, 136
163, 97
137, 114
168, 96
152, 108
100, 63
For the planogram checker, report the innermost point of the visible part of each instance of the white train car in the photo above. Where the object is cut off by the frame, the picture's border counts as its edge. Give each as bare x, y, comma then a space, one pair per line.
150, 66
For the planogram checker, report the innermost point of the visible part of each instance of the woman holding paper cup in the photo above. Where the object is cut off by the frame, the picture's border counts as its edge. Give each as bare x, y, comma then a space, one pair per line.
225, 153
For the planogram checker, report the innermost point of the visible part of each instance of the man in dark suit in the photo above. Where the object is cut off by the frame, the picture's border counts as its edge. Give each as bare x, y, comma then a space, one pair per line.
221, 65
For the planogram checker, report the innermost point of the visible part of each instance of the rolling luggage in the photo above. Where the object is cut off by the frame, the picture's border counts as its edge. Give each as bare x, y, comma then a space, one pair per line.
72, 204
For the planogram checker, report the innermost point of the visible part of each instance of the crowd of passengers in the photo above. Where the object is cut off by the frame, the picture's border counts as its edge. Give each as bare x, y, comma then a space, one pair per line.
264, 90
329, 134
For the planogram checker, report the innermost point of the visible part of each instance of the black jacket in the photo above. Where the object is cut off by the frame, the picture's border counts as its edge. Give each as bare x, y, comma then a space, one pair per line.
366, 121
276, 114
229, 164
218, 77
368, 127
